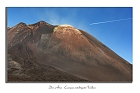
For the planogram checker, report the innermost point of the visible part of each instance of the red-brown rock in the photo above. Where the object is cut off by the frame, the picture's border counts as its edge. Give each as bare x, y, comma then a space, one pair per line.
43, 52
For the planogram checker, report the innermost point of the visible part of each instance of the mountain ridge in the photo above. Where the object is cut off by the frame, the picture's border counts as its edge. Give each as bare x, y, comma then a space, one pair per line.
67, 49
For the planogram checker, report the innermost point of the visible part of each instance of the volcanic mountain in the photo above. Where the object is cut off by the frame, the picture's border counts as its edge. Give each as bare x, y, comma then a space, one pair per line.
61, 53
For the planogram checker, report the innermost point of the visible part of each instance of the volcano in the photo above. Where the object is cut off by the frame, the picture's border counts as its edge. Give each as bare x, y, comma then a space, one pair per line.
42, 52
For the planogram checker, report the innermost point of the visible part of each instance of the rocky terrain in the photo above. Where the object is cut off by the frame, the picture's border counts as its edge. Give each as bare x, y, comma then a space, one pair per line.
42, 52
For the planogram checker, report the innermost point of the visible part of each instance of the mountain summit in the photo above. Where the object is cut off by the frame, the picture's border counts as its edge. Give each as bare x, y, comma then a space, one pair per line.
44, 52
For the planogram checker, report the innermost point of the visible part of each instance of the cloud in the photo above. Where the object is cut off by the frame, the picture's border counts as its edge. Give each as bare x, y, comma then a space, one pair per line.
109, 21
59, 16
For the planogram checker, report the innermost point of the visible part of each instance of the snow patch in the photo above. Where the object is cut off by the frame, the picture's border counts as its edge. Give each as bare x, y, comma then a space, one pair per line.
65, 26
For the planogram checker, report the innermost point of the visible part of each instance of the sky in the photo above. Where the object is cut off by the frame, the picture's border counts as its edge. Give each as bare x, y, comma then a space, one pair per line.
110, 25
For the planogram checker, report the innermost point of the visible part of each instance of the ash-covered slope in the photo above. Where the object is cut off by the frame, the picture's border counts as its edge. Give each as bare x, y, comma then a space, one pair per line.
43, 52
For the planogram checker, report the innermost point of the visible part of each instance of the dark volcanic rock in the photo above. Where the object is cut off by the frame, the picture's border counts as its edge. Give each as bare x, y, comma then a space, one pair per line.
8, 28
43, 52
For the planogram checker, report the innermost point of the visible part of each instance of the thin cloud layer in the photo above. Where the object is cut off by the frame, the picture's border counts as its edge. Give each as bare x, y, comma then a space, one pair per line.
109, 21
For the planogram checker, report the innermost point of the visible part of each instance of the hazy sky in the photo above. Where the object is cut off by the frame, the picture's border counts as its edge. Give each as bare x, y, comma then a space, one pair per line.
112, 26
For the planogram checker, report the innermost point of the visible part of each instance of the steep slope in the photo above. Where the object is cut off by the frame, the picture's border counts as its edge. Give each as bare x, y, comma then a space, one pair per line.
69, 51
37, 73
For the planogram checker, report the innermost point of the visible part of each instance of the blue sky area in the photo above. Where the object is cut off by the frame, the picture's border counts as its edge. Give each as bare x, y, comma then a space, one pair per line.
115, 31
